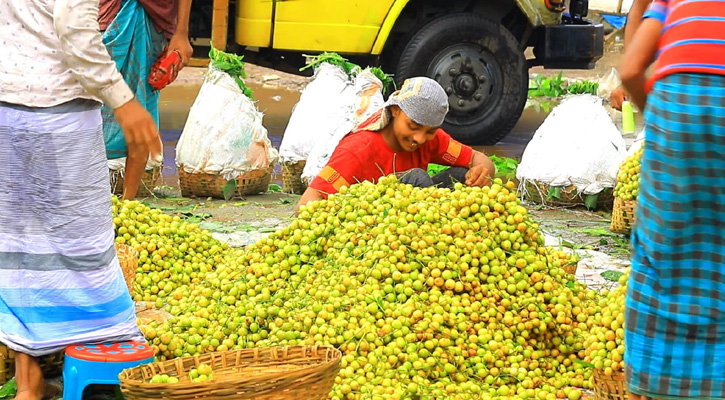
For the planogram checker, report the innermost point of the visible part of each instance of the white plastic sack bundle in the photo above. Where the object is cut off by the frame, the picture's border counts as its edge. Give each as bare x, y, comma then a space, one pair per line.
608, 84
368, 99
578, 144
223, 134
324, 105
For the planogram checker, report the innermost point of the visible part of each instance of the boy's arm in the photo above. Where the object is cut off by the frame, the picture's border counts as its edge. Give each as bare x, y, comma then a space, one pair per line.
311, 194
480, 171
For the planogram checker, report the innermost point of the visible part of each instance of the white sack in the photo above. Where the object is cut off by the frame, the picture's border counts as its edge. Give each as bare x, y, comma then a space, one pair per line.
223, 134
324, 105
119, 164
368, 100
578, 144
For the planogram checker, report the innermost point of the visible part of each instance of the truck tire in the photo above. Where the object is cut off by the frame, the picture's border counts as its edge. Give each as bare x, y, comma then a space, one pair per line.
479, 64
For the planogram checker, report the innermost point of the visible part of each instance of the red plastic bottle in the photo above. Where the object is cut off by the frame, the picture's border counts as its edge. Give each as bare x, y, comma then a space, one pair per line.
165, 69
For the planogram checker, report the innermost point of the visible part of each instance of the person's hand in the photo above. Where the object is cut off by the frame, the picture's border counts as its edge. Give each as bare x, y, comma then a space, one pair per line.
139, 128
478, 175
180, 42
617, 97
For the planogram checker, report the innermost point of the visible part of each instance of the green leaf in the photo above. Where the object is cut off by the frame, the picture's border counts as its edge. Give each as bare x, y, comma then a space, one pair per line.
435, 169
612, 276
285, 201
554, 193
274, 188
8, 389
584, 363
591, 201
229, 189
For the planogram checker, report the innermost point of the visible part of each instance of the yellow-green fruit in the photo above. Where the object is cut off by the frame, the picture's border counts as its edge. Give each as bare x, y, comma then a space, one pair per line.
628, 176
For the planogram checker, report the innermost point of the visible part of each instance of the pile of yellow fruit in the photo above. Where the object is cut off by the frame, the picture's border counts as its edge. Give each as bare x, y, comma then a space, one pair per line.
429, 293
605, 342
628, 177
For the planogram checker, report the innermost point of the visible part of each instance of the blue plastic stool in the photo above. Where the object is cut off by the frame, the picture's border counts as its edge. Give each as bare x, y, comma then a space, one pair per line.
100, 364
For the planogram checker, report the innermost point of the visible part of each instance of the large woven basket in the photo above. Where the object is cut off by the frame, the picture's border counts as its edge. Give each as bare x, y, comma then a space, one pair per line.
276, 373
128, 258
623, 215
292, 177
207, 185
611, 387
538, 192
52, 364
149, 180
570, 268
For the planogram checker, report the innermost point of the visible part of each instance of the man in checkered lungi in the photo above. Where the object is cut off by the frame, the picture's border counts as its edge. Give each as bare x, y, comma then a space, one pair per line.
675, 318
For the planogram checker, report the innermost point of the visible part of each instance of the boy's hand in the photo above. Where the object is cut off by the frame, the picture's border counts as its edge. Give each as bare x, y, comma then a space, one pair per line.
478, 175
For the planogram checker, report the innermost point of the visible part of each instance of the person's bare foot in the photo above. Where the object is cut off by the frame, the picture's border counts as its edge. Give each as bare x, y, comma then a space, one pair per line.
28, 395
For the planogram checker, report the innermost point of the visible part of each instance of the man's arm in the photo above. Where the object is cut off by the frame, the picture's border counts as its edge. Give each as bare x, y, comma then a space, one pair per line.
180, 40
637, 58
634, 19
76, 24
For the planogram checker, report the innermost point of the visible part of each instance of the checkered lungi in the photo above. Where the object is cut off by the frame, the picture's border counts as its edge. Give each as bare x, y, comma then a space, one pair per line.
675, 317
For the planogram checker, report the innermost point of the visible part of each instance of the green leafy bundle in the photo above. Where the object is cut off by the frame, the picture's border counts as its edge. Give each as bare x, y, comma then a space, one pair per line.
386, 79
351, 69
505, 167
542, 86
583, 87
233, 65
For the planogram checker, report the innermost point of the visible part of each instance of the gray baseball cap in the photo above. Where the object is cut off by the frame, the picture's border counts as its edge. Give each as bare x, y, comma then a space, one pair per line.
423, 100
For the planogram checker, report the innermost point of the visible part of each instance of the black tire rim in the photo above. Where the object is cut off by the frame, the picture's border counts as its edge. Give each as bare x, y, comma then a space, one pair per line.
472, 77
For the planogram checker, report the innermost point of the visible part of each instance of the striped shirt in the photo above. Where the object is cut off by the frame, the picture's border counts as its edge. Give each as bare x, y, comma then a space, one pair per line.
692, 38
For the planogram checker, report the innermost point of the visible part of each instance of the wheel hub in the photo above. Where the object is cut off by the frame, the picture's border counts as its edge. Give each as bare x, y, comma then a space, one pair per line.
468, 76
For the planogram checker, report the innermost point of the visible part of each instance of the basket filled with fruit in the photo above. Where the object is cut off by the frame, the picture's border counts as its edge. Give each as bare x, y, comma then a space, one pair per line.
271, 373
604, 346
625, 194
128, 259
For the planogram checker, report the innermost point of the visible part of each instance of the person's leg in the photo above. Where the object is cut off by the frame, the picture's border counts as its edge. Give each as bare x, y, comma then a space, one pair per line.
448, 177
29, 377
416, 177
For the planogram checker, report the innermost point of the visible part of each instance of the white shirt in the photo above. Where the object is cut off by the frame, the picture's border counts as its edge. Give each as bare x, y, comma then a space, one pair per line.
51, 52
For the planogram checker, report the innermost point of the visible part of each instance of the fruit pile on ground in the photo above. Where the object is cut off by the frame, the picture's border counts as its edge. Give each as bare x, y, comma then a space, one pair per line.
428, 293
628, 177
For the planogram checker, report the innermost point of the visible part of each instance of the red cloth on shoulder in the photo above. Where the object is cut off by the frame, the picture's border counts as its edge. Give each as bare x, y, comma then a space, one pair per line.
364, 156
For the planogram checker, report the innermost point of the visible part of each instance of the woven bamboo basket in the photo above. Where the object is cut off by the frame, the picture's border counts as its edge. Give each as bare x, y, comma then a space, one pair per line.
52, 364
570, 268
208, 185
128, 258
537, 192
276, 373
623, 216
149, 180
611, 387
292, 177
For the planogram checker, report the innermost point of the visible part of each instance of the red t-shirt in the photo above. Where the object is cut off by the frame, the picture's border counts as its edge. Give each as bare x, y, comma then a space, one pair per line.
364, 156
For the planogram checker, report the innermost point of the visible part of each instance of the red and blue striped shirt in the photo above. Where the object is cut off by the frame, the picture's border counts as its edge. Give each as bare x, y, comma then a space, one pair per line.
692, 39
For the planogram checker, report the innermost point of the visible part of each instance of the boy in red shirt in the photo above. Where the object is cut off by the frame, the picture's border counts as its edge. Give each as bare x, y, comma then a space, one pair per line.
402, 139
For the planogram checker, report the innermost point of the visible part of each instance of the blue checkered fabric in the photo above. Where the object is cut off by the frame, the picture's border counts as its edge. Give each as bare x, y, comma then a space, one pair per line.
134, 44
675, 314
